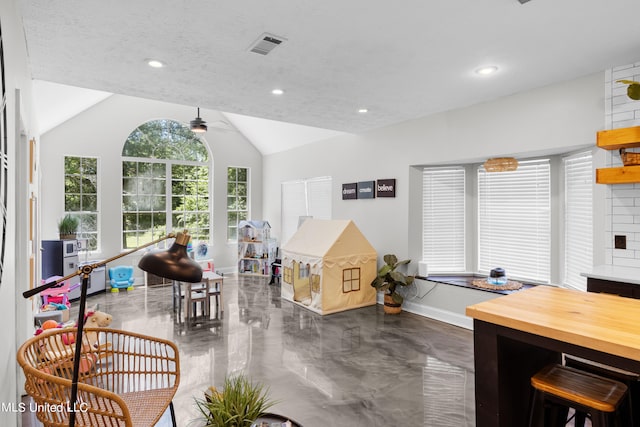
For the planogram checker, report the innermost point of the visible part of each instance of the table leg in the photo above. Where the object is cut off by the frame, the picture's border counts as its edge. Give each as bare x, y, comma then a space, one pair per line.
207, 301
221, 302
503, 370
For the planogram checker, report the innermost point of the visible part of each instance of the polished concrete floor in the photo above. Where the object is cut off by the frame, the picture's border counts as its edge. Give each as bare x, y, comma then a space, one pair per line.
354, 368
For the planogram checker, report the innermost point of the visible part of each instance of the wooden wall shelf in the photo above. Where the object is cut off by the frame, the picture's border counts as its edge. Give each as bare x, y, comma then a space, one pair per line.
619, 138
616, 139
621, 175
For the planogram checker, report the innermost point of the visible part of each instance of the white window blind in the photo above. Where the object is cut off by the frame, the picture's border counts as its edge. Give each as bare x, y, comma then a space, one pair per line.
319, 198
514, 221
311, 197
443, 225
578, 199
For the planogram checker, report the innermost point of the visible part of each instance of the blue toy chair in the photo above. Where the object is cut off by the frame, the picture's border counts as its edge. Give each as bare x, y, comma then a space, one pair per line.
121, 277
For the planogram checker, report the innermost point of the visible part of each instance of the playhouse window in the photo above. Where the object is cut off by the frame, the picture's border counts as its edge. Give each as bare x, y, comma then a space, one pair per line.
304, 270
287, 275
315, 283
350, 279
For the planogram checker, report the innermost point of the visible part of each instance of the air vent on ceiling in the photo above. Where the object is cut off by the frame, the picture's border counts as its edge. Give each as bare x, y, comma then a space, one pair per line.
523, 1
266, 43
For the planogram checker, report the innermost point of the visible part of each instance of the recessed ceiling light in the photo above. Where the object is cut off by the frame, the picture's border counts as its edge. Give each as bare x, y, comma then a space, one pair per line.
362, 110
485, 71
154, 63
277, 91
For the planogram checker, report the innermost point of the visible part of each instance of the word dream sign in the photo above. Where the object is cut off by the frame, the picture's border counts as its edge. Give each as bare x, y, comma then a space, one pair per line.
369, 189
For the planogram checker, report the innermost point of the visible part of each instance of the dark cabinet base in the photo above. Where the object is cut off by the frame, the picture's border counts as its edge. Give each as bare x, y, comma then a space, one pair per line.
616, 288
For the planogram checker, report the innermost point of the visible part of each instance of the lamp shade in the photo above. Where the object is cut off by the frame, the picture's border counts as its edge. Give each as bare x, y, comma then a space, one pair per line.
501, 164
198, 125
173, 263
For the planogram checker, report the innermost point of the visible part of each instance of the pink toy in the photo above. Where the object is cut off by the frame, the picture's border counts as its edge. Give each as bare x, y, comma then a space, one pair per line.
58, 295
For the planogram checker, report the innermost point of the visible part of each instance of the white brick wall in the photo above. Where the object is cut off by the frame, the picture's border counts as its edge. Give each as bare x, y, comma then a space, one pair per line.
623, 200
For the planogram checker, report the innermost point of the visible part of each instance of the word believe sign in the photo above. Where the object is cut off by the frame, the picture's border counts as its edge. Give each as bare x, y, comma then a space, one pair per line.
369, 189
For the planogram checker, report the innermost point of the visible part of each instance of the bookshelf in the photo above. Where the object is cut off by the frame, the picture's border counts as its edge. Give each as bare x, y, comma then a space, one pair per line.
256, 249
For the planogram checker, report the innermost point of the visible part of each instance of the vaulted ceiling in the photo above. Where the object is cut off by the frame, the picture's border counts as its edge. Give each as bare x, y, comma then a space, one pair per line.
399, 60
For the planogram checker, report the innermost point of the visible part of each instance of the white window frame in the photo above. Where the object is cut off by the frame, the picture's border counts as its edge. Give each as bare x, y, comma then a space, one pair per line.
304, 198
578, 218
143, 202
443, 219
82, 232
558, 245
514, 221
238, 211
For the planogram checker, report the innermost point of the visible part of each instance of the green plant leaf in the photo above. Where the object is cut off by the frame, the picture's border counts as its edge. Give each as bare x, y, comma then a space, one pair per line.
403, 262
398, 277
68, 224
384, 270
397, 298
627, 82
238, 405
377, 282
390, 259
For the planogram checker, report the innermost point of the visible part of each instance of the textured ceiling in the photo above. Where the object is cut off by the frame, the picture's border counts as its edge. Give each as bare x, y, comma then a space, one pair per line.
401, 60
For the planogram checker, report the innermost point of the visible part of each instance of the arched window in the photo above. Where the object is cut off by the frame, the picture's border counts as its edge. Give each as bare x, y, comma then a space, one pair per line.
165, 183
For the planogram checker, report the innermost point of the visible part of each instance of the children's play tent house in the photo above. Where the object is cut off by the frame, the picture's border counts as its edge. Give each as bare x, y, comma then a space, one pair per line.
328, 266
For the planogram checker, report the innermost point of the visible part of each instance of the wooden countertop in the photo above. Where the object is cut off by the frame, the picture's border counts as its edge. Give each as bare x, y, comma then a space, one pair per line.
602, 322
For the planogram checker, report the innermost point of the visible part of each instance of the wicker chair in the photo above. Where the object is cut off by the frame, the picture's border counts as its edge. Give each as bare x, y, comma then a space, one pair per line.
125, 379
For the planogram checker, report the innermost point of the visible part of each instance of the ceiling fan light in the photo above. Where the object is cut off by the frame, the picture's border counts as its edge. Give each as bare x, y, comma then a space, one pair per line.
198, 125
501, 164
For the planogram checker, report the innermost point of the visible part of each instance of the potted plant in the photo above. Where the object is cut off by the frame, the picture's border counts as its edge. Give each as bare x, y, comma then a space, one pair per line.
388, 280
68, 227
633, 90
239, 404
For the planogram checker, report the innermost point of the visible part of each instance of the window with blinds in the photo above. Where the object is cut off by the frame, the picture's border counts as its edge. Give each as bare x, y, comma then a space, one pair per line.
578, 218
304, 198
443, 219
514, 221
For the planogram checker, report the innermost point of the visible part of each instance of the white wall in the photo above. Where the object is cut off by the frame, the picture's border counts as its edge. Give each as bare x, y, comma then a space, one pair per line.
623, 200
16, 311
552, 119
102, 130
548, 120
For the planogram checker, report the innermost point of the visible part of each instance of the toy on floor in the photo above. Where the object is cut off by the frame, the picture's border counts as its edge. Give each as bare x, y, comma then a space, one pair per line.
121, 277
57, 294
61, 347
95, 319
57, 307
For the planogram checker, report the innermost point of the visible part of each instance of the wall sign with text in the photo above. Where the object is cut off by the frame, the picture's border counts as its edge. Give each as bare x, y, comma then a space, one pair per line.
369, 189
386, 188
350, 191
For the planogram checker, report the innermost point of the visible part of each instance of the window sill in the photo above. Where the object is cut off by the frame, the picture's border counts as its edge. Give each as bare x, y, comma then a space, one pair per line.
464, 281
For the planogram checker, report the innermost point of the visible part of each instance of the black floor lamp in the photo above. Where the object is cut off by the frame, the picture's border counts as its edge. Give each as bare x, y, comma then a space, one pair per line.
173, 263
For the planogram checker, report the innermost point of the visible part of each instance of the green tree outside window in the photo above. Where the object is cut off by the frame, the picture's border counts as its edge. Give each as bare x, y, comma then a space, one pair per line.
81, 196
237, 200
165, 184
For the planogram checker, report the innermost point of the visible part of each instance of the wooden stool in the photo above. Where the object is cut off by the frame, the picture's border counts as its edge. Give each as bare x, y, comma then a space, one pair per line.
558, 388
630, 379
